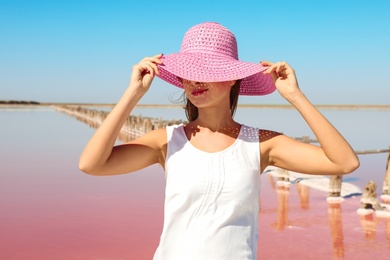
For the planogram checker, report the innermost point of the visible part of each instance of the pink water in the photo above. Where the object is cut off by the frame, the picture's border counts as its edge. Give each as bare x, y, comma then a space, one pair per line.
50, 210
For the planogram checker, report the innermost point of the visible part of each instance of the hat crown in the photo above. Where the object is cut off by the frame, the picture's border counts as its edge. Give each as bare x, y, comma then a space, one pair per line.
210, 38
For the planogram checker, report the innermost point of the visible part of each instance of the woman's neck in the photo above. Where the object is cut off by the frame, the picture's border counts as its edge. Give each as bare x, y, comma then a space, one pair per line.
214, 119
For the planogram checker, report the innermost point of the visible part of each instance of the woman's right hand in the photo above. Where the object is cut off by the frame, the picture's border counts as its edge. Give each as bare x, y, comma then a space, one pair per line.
100, 157
143, 73
284, 78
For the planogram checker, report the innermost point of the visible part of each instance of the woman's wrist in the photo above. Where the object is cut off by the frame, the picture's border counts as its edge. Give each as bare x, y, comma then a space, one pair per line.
134, 93
297, 99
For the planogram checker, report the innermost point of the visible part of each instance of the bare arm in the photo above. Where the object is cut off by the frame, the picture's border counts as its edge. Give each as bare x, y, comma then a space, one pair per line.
333, 156
100, 157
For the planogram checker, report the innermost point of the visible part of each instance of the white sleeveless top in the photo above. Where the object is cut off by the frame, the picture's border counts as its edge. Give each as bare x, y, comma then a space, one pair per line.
211, 199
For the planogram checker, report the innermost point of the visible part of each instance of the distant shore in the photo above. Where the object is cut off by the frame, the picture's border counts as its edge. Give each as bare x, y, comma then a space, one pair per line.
7, 103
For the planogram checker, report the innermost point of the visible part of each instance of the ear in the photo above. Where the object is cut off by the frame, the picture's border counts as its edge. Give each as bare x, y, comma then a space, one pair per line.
232, 82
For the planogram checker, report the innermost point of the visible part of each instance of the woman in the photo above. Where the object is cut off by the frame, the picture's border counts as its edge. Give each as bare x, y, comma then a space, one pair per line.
213, 163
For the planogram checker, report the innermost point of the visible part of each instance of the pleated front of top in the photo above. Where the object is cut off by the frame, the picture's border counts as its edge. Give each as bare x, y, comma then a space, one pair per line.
211, 199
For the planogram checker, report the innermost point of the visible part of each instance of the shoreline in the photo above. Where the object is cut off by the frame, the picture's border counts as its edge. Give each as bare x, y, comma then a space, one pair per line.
259, 106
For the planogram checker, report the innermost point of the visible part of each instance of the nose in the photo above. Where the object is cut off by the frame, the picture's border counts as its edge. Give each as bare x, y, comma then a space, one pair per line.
192, 83
189, 81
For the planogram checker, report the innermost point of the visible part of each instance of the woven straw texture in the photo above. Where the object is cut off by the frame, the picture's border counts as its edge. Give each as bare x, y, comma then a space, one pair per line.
209, 54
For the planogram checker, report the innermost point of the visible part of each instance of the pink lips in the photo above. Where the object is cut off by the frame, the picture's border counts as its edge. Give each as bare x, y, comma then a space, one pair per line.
199, 92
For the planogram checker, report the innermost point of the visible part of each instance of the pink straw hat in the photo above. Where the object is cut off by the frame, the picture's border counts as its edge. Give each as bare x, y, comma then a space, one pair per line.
209, 54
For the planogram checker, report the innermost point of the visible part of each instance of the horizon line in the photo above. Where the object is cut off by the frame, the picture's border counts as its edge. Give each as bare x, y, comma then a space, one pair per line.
173, 105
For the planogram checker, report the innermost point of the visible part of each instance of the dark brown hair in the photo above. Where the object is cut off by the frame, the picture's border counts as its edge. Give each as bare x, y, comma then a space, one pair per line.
192, 111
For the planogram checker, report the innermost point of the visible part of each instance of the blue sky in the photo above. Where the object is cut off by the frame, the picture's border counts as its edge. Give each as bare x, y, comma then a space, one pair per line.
83, 51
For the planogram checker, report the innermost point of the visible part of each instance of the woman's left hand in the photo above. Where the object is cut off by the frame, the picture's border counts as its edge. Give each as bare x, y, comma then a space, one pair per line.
284, 78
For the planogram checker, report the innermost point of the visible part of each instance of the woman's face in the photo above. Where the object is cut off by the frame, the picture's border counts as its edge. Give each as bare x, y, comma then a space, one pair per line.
204, 94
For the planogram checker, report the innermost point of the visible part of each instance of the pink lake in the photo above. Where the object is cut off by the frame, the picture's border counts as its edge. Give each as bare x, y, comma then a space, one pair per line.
51, 210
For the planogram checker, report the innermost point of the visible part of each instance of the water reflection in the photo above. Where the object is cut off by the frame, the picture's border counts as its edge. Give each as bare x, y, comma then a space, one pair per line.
283, 193
303, 192
388, 232
369, 224
282, 189
286, 214
386, 223
336, 228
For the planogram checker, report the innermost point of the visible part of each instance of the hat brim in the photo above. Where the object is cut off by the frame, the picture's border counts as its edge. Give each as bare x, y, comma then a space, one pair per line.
210, 68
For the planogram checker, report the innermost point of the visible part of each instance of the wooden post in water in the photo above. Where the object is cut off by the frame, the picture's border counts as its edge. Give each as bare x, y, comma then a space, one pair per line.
369, 201
283, 178
134, 126
386, 182
334, 192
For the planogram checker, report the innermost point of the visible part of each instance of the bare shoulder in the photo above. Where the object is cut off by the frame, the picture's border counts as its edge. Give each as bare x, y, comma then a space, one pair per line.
265, 135
151, 145
155, 138
271, 139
